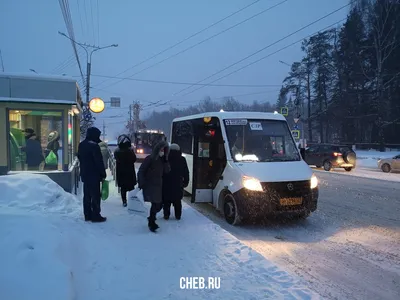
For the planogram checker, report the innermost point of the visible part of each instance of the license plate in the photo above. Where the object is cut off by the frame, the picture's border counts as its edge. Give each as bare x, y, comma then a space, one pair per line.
291, 201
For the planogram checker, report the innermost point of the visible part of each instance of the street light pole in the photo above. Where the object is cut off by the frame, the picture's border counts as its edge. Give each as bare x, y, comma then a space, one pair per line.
88, 60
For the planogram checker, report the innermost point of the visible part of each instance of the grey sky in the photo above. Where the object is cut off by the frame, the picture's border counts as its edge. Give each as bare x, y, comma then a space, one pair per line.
29, 40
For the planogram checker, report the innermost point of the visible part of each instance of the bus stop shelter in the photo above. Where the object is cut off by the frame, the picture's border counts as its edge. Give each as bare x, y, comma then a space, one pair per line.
39, 126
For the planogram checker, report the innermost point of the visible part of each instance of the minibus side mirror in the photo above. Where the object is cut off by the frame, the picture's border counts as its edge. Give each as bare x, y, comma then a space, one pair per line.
303, 153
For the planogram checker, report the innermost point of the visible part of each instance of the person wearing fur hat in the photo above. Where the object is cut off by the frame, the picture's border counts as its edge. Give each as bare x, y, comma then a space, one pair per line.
150, 177
125, 159
174, 182
53, 145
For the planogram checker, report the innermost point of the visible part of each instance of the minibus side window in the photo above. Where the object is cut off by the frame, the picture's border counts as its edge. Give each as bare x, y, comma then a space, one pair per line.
182, 135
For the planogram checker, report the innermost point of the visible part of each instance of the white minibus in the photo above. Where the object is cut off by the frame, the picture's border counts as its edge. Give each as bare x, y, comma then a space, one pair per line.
246, 164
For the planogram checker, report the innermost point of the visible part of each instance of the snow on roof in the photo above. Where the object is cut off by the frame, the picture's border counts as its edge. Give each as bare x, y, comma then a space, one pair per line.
235, 115
32, 100
34, 76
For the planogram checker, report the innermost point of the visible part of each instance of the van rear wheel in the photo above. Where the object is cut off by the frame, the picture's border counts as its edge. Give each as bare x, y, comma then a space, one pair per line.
230, 210
327, 165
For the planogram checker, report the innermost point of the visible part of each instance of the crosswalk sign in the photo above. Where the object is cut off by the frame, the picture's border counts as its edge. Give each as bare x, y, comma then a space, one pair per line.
284, 111
296, 134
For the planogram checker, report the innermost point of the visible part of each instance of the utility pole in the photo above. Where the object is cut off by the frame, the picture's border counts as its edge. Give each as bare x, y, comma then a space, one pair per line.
88, 59
87, 115
136, 114
2, 63
134, 117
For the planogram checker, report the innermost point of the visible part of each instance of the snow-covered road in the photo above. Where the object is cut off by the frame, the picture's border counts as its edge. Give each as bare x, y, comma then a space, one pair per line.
367, 171
348, 249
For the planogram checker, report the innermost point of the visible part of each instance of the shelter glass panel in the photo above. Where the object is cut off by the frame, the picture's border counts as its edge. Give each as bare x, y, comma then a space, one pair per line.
35, 140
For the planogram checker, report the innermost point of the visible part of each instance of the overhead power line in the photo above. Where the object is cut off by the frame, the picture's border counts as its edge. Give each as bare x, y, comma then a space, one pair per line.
64, 5
199, 43
264, 57
98, 22
80, 17
91, 13
277, 51
184, 40
260, 50
188, 83
69, 62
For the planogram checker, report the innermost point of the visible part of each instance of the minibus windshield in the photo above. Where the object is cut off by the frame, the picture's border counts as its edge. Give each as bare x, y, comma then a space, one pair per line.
260, 140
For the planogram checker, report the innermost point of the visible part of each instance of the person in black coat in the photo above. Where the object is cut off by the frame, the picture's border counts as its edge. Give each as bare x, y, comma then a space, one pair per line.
92, 173
33, 150
174, 182
150, 179
125, 159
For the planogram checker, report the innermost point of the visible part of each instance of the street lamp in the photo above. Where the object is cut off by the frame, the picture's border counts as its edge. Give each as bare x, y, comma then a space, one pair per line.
88, 59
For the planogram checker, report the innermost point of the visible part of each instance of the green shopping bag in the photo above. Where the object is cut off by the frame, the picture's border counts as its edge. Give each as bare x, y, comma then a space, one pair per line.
51, 159
104, 190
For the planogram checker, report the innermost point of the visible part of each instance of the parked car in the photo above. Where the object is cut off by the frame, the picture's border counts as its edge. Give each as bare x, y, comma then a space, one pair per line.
389, 164
330, 156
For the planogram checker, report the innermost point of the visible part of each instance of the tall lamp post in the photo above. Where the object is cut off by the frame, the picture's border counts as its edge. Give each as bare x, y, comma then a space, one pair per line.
89, 54
87, 115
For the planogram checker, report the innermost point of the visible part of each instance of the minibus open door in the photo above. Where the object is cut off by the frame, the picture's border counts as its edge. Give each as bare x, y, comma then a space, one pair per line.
202, 191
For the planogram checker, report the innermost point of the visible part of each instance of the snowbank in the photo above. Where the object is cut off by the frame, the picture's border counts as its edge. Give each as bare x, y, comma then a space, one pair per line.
30, 268
37, 193
367, 162
56, 256
376, 155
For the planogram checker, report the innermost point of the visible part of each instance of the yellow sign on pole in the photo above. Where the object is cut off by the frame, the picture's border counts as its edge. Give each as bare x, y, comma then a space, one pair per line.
284, 111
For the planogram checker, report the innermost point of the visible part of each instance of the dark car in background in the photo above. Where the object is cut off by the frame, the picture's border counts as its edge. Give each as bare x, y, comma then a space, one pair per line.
330, 156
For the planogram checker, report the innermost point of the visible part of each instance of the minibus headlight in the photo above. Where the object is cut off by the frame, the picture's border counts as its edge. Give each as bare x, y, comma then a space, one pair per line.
313, 182
252, 184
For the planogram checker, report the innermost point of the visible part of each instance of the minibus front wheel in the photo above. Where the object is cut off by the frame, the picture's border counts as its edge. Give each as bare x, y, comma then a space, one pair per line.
231, 212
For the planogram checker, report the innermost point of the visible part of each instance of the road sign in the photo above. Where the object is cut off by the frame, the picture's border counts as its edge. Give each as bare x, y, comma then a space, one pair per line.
284, 111
296, 127
115, 101
296, 120
296, 134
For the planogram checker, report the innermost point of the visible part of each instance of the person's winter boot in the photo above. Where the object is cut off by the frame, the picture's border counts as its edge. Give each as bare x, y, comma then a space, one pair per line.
152, 225
124, 204
88, 218
99, 219
166, 217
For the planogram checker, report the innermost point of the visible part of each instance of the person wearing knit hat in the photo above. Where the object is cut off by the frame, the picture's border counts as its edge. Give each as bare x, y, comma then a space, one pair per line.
174, 182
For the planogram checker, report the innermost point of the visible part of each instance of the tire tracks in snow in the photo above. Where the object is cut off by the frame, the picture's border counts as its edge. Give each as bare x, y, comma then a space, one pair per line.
327, 252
